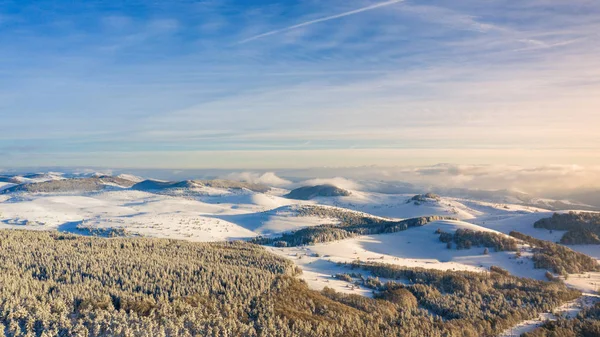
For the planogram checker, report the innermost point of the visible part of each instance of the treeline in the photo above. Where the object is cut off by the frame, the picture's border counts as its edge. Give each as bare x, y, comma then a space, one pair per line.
546, 255
70, 185
351, 224
419, 198
557, 258
54, 284
310, 192
189, 187
306, 236
582, 228
585, 324
489, 302
104, 232
467, 238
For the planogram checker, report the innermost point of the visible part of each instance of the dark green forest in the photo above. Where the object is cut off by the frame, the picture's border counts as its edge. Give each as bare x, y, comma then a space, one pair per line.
350, 224
558, 258
546, 255
466, 239
582, 228
52, 284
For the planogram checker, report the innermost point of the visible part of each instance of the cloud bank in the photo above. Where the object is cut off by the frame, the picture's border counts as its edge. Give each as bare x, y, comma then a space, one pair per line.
268, 178
536, 180
546, 181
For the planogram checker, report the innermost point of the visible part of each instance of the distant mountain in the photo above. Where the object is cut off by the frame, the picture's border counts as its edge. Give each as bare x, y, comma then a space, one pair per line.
590, 197
41, 176
149, 185
221, 183
7, 179
156, 185
561, 205
498, 196
389, 187
70, 185
30, 177
310, 192
130, 177
516, 197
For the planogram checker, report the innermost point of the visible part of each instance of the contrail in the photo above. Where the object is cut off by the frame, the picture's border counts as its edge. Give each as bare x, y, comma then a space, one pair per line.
308, 23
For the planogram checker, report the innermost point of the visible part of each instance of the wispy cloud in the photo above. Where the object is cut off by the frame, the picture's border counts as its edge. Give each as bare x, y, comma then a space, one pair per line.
327, 18
476, 82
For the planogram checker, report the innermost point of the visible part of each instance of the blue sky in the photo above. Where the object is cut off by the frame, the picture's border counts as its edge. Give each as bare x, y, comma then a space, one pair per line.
261, 84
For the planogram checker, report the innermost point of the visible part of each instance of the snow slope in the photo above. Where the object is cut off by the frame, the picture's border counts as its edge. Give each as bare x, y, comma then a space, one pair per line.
38, 177
523, 223
138, 212
278, 220
209, 213
395, 205
205, 213
415, 247
4, 185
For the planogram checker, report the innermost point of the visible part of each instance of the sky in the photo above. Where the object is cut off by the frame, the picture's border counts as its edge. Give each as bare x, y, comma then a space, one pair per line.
292, 84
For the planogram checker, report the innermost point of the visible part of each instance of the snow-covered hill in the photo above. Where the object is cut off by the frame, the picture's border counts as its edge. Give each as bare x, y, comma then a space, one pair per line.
415, 247
224, 210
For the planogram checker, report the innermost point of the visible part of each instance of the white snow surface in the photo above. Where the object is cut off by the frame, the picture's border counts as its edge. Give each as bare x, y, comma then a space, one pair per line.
130, 177
41, 177
414, 247
214, 214
4, 185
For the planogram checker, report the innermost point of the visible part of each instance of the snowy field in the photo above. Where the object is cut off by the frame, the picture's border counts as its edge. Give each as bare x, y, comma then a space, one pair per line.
415, 247
216, 214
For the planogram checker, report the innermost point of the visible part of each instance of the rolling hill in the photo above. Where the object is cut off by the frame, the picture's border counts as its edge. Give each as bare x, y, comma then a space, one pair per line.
401, 230
312, 192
